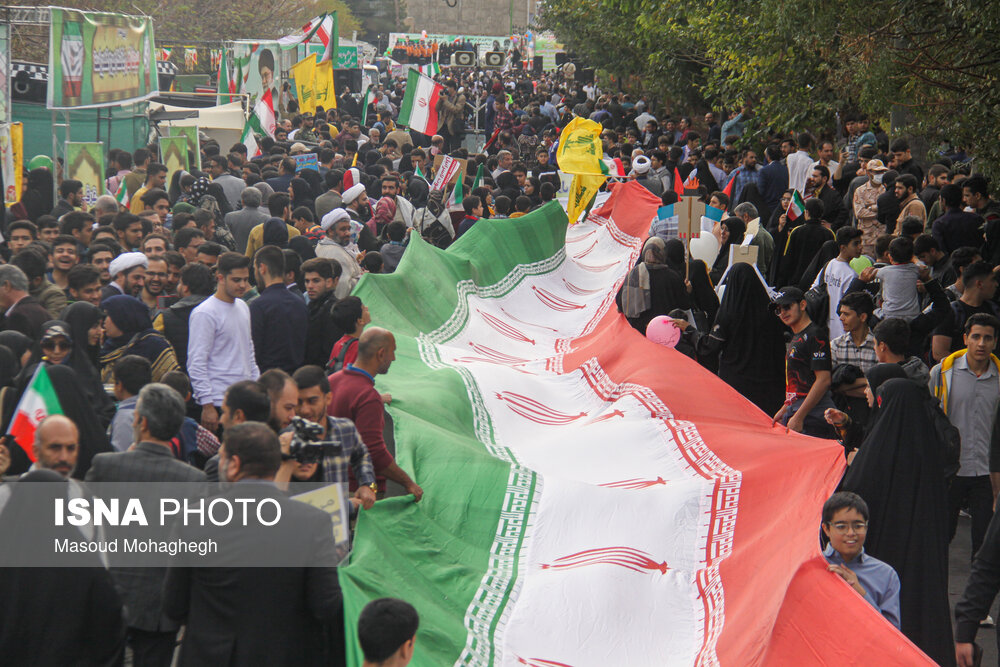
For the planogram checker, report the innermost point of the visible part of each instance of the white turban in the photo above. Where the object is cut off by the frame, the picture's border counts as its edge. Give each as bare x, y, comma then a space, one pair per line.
126, 261
352, 193
333, 217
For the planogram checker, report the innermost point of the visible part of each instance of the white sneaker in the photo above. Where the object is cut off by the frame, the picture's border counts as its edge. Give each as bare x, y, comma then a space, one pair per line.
987, 622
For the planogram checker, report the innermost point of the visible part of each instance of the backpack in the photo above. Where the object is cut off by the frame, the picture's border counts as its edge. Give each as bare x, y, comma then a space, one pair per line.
338, 363
818, 299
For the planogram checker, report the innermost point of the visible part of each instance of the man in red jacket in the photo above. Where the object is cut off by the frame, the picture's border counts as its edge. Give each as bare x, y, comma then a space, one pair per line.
353, 396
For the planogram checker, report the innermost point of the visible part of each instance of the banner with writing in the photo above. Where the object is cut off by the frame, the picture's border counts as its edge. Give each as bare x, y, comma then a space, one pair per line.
97, 59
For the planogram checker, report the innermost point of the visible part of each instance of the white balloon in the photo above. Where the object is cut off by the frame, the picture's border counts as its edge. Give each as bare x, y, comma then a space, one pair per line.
705, 248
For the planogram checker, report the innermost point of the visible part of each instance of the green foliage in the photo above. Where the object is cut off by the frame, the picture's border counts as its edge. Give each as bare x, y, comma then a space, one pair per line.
798, 62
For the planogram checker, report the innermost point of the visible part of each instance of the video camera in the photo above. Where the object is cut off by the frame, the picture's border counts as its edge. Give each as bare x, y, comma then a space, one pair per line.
306, 445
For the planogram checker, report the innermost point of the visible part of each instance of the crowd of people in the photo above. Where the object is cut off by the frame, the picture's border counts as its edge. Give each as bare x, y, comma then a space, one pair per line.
184, 330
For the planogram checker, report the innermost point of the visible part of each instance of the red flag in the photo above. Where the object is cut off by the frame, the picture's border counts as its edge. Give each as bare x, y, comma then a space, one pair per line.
678, 182
728, 190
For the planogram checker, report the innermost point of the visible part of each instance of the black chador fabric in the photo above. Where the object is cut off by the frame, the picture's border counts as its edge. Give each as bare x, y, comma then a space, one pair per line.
899, 471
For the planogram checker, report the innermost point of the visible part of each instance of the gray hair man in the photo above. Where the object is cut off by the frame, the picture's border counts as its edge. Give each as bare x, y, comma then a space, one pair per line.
242, 221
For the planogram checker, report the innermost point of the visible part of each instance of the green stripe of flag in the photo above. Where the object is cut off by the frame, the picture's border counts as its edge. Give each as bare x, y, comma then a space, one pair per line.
435, 554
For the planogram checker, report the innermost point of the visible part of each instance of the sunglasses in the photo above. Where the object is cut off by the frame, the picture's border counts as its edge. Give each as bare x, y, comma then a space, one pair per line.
56, 345
782, 307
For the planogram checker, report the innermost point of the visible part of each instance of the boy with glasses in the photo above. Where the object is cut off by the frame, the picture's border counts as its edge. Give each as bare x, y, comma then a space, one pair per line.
845, 524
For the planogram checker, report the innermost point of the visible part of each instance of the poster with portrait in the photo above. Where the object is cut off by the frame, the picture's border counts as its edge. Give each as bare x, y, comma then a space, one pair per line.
98, 59
193, 142
260, 63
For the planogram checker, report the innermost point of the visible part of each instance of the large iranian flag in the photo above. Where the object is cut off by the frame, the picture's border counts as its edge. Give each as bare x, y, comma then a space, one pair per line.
419, 109
38, 402
590, 498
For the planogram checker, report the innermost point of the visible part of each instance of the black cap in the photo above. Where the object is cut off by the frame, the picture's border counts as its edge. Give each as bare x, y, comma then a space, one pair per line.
789, 295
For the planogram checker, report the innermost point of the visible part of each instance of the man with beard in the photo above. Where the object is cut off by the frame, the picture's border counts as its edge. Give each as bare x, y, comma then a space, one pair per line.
356, 203
32, 261
64, 258
128, 275
128, 229
156, 277
320, 276
83, 283
101, 256
337, 246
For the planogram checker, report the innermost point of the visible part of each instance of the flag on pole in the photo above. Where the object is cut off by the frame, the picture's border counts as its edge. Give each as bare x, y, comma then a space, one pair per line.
458, 194
728, 190
678, 182
305, 33
264, 112
329, 35
121, 194
38, 402
480, 174
225, 85
163, 54
580, 153
190, 57
432, 69
419, 109
370, 98
248, 139
796, 207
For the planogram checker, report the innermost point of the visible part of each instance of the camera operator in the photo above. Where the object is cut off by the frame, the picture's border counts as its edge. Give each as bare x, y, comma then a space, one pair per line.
451, 116
336, 445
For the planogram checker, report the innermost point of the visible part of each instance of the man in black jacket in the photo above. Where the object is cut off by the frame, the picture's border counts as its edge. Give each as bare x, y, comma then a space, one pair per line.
240, 615
833, 202
197, 284
320, 277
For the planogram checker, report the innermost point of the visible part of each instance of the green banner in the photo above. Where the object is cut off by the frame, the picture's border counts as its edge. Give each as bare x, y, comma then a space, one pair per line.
193, 142
174, 153
98, 59
85, 163
347, 56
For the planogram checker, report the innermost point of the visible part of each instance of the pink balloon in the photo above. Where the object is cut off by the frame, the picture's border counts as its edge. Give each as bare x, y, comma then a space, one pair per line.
663, 331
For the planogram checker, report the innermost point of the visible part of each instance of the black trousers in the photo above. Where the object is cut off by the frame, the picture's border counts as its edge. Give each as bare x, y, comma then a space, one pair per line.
978, 493
150, 648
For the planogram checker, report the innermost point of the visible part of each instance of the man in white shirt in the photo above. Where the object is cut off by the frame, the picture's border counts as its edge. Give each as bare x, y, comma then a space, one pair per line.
220, 348
800, 163
838, 274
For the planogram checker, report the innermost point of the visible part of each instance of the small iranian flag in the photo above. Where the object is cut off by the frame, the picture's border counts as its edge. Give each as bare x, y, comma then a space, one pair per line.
121, 194
478, 180
457, 194
264, 111
419, 110
796, 208
370, 98
418, 173
225, 83
430, 70
38, 402
249, 140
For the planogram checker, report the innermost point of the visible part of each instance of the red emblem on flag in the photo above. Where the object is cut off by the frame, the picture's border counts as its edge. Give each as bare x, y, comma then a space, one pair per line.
528, 324
579, 290
635, 484
503, 328
627, 557
537, 412
555, 302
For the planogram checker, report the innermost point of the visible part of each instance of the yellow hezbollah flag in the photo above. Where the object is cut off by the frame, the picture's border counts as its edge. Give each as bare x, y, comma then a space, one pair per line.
304, 72
323, 85
580, 150
582, 191
580, 153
